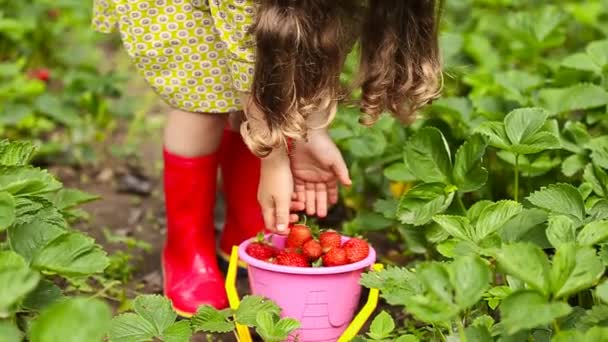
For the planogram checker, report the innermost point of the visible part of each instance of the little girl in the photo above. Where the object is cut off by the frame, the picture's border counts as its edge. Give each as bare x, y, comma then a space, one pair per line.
279, 61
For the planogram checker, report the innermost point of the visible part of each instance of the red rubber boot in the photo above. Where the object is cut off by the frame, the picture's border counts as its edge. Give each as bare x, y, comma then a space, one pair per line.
190, 271
240, 177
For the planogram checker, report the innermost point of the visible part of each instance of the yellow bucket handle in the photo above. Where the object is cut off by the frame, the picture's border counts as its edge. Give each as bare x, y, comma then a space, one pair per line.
233, 295
351, 331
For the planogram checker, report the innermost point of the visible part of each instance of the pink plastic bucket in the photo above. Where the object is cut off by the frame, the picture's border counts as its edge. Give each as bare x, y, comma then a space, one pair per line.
323, 300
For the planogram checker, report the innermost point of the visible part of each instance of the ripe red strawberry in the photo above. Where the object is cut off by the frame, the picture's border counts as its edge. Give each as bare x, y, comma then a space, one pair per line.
312, 250
292, 259
356, 249
335, 257
261, 250
298, 235
42, 74
330, 239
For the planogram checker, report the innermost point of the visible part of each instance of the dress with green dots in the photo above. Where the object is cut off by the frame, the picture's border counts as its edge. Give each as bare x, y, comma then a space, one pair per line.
196, 54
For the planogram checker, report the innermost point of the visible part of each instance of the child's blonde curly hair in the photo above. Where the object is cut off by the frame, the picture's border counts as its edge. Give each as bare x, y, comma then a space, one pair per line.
301, 46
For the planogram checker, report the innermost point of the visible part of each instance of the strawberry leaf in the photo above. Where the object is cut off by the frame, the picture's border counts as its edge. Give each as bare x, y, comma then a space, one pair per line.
7, 210
598, 178
178, 332
575, 268
250, 306
211, 320
576, 97
10, 332
427, 156
27, 181
71, 254
469, 175
156, 310
16, 153
561, 230
72, 320
495, 216
16, 281
130, 327
599, 151
526, 262
273, 329
382, 327
527, 309
560, 198
593, 233
523, 123
422, 202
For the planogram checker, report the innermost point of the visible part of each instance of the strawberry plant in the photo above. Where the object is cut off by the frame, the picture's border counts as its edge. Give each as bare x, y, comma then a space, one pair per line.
498, 192
51, 87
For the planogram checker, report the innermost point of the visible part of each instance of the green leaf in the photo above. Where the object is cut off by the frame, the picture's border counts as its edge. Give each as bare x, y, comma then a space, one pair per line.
73, 320
16, 153
529, 309
10, 332
250, 306
211, 320
16, 281
602, 291
576, 97
522, 223
55, 108
273, 330
521, 124
538, 142
178, 332
598, 179
71, 254
156, 310
7, 210
581, 61
407, 338
398, 172
561, 230
422, 202
593, 233
478, 334
575, 268
70, 198
476, 209
395, 284
526, 262
573, 164
594, 334
45, 294
494, 216
437, 302
130, 327
598, 52
470, 276
560, 198
26, 181
428, 157
382, 326
599, 151
457, 226
29, 238
469, 175
496, 132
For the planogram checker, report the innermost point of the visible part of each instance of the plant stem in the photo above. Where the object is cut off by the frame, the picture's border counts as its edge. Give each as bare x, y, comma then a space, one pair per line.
516, 191
461, 205
556, 326
461, 333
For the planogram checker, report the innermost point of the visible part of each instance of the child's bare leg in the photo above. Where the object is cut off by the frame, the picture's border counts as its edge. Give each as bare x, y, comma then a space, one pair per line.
193, 134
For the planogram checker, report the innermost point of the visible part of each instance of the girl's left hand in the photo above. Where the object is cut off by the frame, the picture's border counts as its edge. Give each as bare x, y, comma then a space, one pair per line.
317, 167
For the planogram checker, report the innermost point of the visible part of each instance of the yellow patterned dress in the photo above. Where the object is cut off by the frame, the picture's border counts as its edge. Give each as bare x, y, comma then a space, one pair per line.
196, 54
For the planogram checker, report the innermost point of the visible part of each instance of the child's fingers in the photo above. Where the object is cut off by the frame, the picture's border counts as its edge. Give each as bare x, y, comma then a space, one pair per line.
297, 205
282, 214
293, 218
341, 171
332, 193
300, 192
268, 213
321, 199
311, 195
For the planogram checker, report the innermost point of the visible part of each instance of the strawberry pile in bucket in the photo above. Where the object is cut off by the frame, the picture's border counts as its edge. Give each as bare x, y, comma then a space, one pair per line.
305, 248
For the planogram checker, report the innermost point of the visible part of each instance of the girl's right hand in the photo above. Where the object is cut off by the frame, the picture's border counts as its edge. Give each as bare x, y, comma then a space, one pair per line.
275, 192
